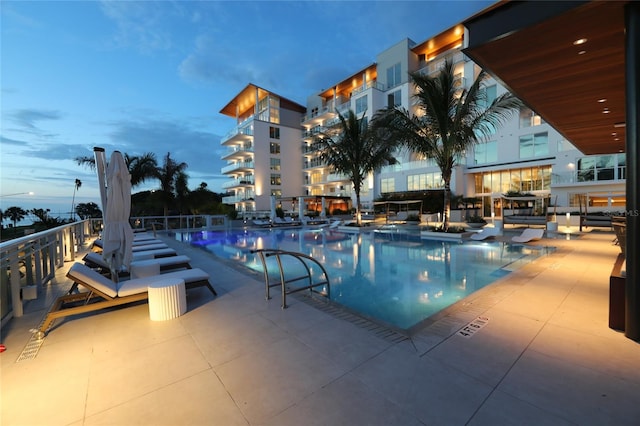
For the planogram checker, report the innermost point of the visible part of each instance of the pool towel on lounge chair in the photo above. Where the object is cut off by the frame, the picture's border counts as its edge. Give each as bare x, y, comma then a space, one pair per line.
529, 234
103, 293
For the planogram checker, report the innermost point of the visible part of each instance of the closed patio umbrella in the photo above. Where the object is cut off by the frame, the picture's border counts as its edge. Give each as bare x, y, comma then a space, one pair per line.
117, 236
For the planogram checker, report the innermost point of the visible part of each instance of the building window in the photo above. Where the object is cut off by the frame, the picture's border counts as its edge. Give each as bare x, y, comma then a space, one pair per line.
361, 104
276, 179
394, 99
487, 96
565, 145
274, 148
275, 164
387, 185
528, 118
534, 145
274, 132
601, 167
276, 192
424, 181
484, 153
522, 180
394, 75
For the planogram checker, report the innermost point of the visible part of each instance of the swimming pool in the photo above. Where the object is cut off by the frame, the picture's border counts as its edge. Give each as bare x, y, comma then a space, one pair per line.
394, 279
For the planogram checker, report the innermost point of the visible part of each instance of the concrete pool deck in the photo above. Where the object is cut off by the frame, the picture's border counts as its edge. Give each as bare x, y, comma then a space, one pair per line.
545, 355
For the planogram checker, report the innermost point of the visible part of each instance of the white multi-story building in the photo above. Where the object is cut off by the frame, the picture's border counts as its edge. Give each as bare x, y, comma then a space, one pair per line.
263, 150
525, 155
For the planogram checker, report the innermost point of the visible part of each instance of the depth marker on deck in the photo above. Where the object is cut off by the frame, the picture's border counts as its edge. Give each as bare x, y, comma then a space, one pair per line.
475, 325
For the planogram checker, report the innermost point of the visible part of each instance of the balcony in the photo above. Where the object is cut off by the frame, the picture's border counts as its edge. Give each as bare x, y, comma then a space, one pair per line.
313, 163
605, 175
241, 182
337, 177
319, 116
233, 199
242, 132
433, 66
238, 152
369, 85
244, 166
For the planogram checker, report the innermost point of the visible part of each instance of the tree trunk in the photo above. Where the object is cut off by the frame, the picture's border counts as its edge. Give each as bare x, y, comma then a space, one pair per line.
446, 211
358, 219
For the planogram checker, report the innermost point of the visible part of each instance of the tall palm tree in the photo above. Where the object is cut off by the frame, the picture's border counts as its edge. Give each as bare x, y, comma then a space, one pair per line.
448, 121
77, 186
168, 174
141, 167
354, 150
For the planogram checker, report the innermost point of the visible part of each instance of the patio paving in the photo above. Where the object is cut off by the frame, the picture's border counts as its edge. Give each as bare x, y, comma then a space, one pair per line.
545, 355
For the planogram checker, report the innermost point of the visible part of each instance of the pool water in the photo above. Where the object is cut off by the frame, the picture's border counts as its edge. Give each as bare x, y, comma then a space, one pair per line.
394, 279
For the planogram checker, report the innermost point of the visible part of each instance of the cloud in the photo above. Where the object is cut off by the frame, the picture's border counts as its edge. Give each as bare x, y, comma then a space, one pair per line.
7, 141
139, 24
212, 62
185, 140
28, 118
57, 151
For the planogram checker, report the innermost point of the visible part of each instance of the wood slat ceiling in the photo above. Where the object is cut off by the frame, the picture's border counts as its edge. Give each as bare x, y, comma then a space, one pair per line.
541, 64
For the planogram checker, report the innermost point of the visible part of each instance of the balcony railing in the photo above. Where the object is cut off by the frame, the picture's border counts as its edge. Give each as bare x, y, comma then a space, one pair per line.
29, 262
232, 199
236, 166
370, 85
589, 176
238, 149
238, 182
245, 129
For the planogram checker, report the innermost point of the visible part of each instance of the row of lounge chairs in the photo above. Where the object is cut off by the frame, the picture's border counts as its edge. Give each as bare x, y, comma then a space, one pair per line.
104, 292
289, 221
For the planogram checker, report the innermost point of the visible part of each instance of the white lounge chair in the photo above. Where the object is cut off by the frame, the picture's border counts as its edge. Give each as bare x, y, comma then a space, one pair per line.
488, 232
335, 224
529, 234
146, 247
103, 293
153, 254
95, 260
262, 222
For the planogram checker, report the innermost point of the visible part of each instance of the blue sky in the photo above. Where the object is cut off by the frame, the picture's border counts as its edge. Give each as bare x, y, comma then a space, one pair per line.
142, 76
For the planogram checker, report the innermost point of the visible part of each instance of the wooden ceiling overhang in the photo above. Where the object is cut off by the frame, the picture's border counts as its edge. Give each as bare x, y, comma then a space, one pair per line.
244, 102
533, 49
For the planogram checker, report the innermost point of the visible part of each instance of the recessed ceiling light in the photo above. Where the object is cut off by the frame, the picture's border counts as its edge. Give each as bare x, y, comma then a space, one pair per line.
606, 111
582, 52
580, 41
621, 124
602, 100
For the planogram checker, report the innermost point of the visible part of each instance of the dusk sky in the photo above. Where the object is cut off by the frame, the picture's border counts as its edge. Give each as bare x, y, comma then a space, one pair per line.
142, 76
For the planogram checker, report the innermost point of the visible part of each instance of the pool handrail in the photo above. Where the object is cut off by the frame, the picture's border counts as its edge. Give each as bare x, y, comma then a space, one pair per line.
301, 257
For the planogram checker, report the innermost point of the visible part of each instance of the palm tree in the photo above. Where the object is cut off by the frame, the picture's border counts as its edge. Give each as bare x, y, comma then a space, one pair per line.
355, 151
449, 120
73, 200
141, 168
15, 214
169, 174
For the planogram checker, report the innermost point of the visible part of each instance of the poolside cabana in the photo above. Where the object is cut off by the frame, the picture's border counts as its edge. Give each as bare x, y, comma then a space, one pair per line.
577, 64
401, 208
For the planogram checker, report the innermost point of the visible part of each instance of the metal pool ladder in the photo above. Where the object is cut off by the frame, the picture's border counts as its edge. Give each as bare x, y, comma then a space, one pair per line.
306, 261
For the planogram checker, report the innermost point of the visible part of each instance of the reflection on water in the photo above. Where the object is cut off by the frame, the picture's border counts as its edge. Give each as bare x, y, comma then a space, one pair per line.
388, 277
